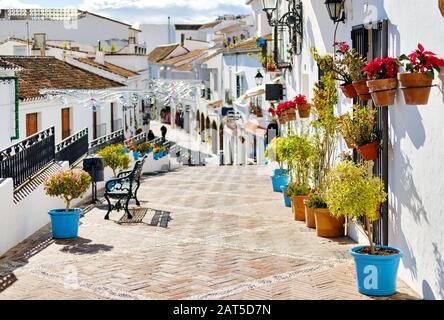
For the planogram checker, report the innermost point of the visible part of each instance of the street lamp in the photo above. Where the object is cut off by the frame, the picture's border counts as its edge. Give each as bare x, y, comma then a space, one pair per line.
336, 10
269, 6
259, 78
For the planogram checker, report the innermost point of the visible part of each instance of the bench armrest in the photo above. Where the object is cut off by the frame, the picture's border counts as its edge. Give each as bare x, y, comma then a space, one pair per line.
123, 173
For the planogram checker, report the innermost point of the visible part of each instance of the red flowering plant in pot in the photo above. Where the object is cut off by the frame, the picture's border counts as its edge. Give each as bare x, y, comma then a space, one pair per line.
303, 106
416, 83
382, 83
286, 111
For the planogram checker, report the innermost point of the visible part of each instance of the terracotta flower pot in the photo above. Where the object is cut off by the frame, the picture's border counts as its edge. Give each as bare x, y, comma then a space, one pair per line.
290, 114
304, 110
327, 225
298, 207
362, 90
441, 6
383, 91
369, 152
416, 87
309, 216
349, 91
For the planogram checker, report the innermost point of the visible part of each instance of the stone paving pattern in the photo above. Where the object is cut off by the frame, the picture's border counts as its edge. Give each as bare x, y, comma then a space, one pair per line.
230, 237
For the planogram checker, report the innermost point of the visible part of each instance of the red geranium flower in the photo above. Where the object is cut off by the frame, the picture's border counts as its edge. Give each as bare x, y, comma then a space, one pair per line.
300, 99
382, 68
422, 61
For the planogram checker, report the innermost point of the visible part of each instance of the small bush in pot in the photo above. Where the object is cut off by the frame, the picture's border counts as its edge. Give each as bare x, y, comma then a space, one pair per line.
115, 158
68, 185
327, 225
274, 153
382, 83
353, 192
416, 82
298, 194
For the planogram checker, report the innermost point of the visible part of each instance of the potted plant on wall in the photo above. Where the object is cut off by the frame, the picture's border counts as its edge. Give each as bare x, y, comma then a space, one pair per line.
352, 192
302, 105
416, 83
361, 131
274, 154
114, 158
286, 111
382, 83
69, 185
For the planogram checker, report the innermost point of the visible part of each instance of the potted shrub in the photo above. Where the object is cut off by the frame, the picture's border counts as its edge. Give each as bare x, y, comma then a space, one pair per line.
115, 158
352, 192
68, 185
274, 154
361, 131
416, 83
302, 105
298, 194
345, 128
144, 148
382, 83
286, 111
327, 225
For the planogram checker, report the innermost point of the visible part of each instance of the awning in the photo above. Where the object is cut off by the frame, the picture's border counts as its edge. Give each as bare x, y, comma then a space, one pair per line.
256, 91
255, 129
215, 104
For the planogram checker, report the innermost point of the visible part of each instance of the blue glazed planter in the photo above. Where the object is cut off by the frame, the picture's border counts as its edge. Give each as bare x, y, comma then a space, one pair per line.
156, 156
287, 200
136, 156
376, 275
279, 172
278, 181
65, 225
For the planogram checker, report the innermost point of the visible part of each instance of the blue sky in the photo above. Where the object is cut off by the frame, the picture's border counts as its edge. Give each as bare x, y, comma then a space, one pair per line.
144, 11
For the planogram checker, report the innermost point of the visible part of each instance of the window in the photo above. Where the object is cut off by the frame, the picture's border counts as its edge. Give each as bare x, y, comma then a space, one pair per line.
20, 51
240, 85
284, 55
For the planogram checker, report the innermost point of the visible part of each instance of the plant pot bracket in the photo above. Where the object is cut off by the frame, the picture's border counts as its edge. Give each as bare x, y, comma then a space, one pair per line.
418, 87
376, 91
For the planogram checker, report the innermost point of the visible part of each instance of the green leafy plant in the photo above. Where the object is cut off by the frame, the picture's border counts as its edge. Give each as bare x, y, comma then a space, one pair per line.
296, 190
352, 191
113, 48
297, 151
275, 151
143, 147
67, 184
114, 158
317, 202
359, 129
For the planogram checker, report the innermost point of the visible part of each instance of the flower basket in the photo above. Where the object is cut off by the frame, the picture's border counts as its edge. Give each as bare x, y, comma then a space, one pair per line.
362, 90
383, 91
349, 90
416, 87
369, 152
304, 110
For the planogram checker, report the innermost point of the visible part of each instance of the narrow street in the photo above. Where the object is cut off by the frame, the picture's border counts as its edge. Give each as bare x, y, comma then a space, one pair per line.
203, 233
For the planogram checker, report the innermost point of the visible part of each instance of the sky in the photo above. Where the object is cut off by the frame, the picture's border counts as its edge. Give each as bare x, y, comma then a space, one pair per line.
137, 12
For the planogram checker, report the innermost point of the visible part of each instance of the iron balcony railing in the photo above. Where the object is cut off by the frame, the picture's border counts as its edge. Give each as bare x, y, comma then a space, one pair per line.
25, 159
73, 148
116, 137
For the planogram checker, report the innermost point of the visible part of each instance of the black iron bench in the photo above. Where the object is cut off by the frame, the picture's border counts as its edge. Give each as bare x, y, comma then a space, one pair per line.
124, 188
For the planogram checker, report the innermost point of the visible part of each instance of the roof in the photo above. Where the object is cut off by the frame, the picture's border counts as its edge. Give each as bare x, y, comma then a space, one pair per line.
188, 26
184, 57
109, 67
39, 73
210, 25
109, 19
161, 52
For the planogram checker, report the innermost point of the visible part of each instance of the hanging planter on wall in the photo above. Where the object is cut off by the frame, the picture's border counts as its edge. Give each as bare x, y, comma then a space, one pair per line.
349, 90
362, 90
383, 91
369, 152
441, 6
303, 106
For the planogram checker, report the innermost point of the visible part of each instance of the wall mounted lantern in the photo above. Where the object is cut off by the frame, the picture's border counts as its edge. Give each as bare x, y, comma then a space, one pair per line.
259, 78
336, 10
292, 19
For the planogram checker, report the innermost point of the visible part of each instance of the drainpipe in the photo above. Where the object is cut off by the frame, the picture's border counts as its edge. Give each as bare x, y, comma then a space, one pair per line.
16, 106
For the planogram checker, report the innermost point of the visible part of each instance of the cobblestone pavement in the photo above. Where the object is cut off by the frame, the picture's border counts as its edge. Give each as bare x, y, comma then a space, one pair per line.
229, 237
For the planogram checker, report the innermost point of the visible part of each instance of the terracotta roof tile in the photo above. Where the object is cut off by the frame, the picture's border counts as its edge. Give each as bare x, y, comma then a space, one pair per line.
161, 52
49, 73
108, 67
210, 25
184, 57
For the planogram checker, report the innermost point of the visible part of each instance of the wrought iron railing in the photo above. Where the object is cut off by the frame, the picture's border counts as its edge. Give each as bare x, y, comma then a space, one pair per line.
140, 138
116, 137
73, 148
23, 160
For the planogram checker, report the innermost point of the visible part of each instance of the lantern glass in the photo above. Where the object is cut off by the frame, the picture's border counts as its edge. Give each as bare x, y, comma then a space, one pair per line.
269, 5
259, 78
335, 9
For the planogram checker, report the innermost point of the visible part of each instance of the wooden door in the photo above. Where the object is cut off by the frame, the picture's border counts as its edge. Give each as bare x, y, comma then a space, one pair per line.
112, 118
94, 125
31, 124
66, 123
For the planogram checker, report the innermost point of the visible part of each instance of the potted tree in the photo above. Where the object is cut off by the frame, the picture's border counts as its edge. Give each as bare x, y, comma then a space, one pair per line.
69, 185
115, 158
361, 131
382, 83
274, 154
352, 192
303, 106
416, 83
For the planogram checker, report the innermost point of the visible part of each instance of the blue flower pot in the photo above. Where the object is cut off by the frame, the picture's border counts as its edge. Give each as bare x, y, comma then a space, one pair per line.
136, 156
278, 181
279, 172
376, 275
65, 225
287, 200
156, 156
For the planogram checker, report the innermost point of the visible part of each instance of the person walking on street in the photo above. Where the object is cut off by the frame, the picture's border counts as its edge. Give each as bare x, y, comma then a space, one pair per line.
164, 130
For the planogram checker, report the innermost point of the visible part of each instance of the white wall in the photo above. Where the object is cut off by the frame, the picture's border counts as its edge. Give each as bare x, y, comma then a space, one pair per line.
7, 106
154, 35
415, 154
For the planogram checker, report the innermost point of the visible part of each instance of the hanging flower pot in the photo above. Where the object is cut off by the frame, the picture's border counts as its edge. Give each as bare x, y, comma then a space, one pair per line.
304, 110
416, 87
383, 91
289, 114
362, 90
349, 90
369, 152
441, 6
328, 226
